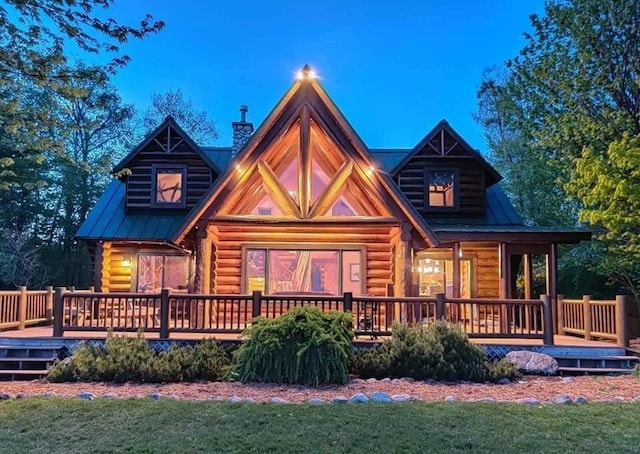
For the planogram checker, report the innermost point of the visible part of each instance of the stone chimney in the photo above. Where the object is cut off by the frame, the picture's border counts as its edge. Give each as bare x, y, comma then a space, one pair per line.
242, 130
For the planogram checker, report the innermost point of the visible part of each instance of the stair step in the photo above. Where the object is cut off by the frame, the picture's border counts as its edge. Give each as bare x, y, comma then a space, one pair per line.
36, 359
24, 372
593, 370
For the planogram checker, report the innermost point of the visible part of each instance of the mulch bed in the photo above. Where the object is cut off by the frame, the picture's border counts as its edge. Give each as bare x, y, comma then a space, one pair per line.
594, 388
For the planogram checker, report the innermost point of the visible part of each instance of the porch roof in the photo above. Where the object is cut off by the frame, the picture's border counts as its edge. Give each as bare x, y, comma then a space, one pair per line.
109, 221
509, 233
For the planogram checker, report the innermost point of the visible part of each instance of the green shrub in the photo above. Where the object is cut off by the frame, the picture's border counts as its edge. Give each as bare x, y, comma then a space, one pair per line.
125, 359
503, 368
304, 346
436, 351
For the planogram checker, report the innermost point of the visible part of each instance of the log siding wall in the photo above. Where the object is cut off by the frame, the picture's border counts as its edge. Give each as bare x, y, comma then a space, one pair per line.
230, 239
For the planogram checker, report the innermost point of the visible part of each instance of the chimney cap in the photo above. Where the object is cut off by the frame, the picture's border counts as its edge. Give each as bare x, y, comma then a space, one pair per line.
243, 113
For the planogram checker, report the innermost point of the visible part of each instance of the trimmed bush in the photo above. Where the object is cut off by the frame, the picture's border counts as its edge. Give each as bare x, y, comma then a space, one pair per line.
436, 351
304, 346
503, 368
124, 359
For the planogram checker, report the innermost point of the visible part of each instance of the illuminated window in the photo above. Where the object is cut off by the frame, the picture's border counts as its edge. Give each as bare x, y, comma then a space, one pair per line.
442, 188
169, 186
155, 272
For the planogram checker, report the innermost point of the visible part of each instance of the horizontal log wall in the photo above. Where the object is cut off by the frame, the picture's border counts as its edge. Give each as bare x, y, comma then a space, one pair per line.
411, 180
230, 238
486, 269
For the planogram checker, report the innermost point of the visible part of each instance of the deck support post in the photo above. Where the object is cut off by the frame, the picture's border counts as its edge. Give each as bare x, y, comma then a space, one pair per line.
552, 280
58, 312
164, 313
256, 303
456, 269
440, 306
586, 316
48, 311
348, 301
22, 307
505, 284
528, 276
622, 334
548, 319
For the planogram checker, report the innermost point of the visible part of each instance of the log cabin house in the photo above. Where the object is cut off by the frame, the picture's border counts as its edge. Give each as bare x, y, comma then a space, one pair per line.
303, 206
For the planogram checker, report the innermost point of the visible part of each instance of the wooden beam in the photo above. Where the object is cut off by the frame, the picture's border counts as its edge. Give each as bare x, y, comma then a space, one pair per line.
97, 266
201, 240
304, 175
456, 270
278, 191
552, 281
332, 191
504, 271
528, 276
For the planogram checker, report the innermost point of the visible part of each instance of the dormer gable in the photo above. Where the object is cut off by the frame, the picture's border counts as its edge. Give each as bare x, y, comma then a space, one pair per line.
166, 172
444, 177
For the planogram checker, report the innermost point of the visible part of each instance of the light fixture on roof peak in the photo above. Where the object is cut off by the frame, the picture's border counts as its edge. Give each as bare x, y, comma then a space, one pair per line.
306, 73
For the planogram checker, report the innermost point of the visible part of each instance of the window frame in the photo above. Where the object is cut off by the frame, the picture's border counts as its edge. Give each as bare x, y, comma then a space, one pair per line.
135, 268
176, 168
428, 171
339, 248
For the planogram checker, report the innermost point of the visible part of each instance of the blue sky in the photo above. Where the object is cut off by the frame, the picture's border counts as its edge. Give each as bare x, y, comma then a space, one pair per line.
395, 68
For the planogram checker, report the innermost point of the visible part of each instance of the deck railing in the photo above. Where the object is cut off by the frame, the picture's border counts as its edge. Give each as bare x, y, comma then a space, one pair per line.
167, 313
592, 319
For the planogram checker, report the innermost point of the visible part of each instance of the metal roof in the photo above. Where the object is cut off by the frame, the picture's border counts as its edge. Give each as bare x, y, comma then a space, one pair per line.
219, 156
108, 220
389, 158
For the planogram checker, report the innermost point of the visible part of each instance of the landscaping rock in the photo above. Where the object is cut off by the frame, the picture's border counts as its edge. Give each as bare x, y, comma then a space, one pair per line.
173, 397
562, 399
23, 395
215, 399
250, 400
156, 396
5, 396
528, 401
358, 381
637, 400
386, 380
489, 400
359, 399
450, 399
567, 380
401, 398
86, 395
110, 396
372, 380
580, 400
381, 397
235, 400
49, 394
279, 400
533, 363
396, 381
503, 381
340, 400
316, 401
407, 380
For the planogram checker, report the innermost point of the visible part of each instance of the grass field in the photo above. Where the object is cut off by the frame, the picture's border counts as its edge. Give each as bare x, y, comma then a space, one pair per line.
74, 426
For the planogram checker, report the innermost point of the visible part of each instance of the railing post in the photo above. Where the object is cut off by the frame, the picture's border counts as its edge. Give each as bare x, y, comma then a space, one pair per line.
560, 314
48, 311
58, 312
348, 302
22, 307
622, 333
586, 316
548, 319
164, 313
256, 303
439, 306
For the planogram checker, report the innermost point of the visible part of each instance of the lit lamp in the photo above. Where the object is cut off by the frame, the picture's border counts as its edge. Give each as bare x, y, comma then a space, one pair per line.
126, 262
306, 73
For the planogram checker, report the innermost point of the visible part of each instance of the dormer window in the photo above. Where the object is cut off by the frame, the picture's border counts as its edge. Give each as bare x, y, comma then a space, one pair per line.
442, 189
169, 186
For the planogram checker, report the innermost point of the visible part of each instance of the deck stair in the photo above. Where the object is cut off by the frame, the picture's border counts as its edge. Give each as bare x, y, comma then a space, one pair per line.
26, 362
598, 364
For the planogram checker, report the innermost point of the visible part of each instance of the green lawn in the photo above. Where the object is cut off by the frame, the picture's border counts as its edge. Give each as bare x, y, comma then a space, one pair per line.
70, 426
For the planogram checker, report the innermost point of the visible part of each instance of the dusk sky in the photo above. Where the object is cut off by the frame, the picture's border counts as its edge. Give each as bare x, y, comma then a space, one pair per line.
395, 68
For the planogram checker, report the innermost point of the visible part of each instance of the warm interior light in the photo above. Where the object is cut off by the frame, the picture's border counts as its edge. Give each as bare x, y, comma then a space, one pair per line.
238, 168
126, 262
460, 253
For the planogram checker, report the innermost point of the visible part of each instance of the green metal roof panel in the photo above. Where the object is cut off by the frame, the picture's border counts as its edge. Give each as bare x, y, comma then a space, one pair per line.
108, 220
219, 156
389, 158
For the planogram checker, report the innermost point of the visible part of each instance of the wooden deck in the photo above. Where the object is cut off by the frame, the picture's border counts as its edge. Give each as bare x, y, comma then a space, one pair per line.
46, 332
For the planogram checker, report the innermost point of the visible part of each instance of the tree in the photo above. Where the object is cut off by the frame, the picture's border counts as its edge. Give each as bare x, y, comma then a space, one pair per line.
173, 103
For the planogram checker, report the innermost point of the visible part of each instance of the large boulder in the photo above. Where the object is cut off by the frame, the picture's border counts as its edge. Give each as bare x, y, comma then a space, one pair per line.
533, 363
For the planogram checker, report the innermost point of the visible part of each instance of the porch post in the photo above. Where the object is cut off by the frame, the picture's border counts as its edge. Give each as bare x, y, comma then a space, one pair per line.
404, 269
552, 282
456, 270
202, 317
504, 271
97, 266
528, 276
